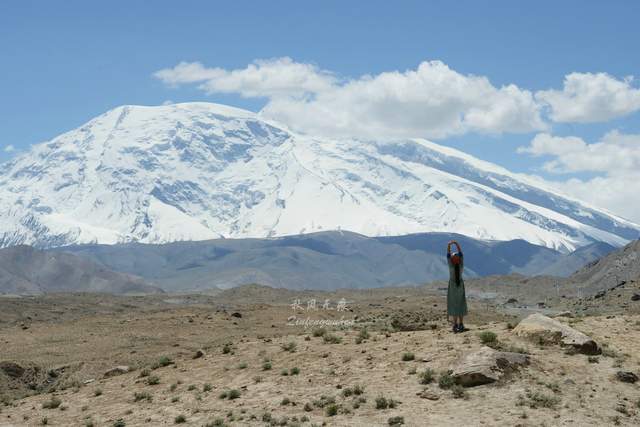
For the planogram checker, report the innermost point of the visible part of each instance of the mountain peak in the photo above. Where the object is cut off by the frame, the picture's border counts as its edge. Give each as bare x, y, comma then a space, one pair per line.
194, 171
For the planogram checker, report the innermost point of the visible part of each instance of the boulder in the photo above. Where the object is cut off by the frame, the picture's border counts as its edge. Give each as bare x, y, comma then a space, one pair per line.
117, 370
626, 376
12, 369
486, 366
198, 354
543, 329
635, 297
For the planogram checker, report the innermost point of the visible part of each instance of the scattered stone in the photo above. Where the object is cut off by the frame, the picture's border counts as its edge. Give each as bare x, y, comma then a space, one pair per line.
543, 329
626, 376
635, 297
118, 370
426, 394
564, 314
486, 366
11, 369
198, 354
512, 301
236, 314
89, 381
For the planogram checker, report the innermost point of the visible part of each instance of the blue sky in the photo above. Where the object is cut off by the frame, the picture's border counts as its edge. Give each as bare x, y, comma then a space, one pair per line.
64, 62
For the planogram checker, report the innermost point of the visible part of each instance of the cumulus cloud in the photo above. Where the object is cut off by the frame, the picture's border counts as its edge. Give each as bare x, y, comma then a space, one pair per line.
588, 97
9, 148
615, 159
431, 101
263, 78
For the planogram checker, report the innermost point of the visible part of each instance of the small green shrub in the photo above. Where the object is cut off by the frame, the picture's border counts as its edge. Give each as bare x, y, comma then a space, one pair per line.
332, 339
487, 337
395, 421
446, 381
138, 396
52, 403
384, 403
319, 332
408, 356
331, 410
290, 346
458, 392
180, 419
426, 376
153, 380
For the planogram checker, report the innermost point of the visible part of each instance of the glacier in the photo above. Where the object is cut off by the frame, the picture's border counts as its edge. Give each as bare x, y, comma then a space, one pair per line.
197, 171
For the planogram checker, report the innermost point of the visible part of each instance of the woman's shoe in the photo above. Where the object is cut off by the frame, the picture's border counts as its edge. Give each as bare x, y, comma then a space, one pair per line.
461, 327
455, 328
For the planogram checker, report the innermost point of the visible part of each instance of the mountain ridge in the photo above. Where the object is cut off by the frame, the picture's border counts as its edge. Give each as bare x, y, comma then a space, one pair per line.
198, 171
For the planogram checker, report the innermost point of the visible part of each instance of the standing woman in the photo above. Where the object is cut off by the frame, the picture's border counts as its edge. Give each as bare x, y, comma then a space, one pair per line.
456, 298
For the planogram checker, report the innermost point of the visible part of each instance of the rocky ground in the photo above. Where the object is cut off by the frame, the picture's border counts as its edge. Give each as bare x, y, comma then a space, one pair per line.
235, 359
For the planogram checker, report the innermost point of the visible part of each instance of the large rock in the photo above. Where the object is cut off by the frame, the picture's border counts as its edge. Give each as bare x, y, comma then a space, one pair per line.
486, 366
117, 370
543, 329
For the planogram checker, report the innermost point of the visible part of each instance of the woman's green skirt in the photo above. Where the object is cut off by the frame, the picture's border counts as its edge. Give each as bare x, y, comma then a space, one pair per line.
456, 299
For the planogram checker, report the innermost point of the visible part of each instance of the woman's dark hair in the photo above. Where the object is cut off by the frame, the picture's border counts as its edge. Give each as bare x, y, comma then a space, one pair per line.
456, 269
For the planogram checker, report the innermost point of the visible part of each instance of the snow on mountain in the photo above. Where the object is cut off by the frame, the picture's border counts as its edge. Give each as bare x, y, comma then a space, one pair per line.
199, 171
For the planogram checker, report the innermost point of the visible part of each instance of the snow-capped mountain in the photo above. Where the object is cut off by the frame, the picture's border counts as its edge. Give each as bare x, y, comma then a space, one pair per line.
199, 171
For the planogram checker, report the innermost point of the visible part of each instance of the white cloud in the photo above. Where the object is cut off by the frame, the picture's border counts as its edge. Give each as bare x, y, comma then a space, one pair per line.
431, 101
588, 97
263, 78
615, 158
167, 102
9, 148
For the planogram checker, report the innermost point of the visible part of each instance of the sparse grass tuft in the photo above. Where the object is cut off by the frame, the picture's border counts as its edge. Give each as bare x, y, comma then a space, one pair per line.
290, 346
266, 365
319, 332
153, 380
138, 396
384, 403
294, 371
537, 399
488, 337
52, 403
180, 419
332, 339
459, 392
331, 410
446, 381
97, 392
164, 361
207, 387
408, 356
426, 377
363, 335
